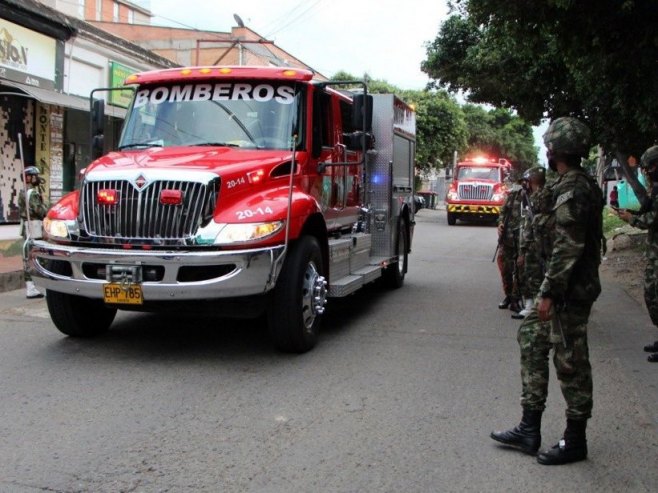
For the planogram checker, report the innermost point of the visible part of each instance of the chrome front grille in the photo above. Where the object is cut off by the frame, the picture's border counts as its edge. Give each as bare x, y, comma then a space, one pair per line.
475, 191
139, 213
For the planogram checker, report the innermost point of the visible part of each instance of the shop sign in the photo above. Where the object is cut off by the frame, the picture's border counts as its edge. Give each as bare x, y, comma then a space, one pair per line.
26, 56
118, 74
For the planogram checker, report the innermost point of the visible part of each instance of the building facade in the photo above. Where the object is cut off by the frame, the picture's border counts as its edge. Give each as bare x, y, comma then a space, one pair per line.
49, 64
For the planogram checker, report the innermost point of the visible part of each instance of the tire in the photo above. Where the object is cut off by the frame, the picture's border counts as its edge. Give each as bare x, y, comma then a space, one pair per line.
298, 299
395, 272
77, 316
452, 218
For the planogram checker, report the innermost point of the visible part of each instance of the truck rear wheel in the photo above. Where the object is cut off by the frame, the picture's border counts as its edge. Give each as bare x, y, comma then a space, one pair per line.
452, 218
298, 299
77, 316
394, 273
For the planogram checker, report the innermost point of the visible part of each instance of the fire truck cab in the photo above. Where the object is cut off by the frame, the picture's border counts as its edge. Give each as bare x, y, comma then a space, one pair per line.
237, 190
477, 190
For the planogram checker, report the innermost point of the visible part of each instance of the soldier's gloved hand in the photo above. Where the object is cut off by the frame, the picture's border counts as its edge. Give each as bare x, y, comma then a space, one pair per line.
501, 229
545, 309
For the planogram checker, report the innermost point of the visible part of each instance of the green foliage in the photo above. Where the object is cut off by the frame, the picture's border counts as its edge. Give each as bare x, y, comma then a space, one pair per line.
500, 133
593, 59
610, 222
444, 127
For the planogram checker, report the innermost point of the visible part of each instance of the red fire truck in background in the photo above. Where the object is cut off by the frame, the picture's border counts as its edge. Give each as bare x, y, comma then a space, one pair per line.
239, 190
478, 189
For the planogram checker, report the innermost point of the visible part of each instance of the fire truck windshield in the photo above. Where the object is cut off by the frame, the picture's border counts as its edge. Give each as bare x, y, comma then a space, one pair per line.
478, 173
253, 115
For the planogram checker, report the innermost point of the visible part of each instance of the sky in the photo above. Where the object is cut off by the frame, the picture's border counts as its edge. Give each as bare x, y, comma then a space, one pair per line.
384, 38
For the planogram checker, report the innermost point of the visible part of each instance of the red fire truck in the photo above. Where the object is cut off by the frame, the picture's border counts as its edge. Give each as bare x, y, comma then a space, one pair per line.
238, 190
477, 190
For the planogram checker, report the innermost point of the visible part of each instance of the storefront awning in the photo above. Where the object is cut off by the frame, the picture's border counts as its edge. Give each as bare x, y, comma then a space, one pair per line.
60, 99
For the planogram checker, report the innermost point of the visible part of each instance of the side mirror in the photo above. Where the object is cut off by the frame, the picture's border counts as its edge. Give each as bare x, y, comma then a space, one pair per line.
98, 117
362, 104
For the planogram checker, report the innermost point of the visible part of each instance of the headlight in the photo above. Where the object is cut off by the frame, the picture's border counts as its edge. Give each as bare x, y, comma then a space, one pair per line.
57, 228
453, 195
497, 197
240, 233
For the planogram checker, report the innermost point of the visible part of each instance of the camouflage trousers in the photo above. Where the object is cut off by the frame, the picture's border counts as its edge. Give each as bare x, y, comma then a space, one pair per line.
536, 339
26, 275
651, 289
506, 261
532, 275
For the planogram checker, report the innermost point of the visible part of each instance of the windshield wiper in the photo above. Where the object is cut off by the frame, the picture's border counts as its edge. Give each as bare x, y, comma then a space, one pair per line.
216, 144
139, 144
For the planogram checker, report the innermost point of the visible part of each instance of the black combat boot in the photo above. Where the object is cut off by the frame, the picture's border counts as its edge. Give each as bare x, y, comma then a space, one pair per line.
572, 448
514, 306
503, 305
651, 348
525, 437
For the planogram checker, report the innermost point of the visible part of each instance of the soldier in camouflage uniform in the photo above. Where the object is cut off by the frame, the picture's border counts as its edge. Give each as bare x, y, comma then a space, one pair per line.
508, 241
648, 219
569, 288
530, 260
38, 210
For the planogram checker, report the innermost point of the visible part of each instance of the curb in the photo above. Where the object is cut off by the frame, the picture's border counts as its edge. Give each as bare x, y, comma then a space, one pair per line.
10, 281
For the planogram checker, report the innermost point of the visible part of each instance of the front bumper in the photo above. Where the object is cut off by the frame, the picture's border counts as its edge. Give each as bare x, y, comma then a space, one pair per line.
243, 272
478, 209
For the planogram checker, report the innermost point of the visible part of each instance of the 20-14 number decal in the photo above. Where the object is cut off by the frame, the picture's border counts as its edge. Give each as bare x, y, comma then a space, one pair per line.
249, 213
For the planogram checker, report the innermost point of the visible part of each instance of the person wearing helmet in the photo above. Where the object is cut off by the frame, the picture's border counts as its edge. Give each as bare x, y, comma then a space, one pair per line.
558, 321
531, 259
647, 218
508, 245
37, 211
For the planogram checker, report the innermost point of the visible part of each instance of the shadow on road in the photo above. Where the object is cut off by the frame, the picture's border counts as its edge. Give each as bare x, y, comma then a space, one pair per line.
188, 336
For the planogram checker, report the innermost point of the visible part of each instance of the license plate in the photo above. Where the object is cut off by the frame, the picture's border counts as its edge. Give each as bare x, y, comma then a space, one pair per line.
130, 294
474, 208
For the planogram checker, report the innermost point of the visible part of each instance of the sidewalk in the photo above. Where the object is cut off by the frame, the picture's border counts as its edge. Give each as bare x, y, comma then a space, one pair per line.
11, 273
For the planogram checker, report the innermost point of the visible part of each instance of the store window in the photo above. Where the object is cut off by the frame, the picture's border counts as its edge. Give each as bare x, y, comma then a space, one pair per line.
115, 14
99, 10
131, 16
81, 9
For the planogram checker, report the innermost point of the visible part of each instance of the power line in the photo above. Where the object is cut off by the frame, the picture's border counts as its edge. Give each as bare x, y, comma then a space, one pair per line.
295, 19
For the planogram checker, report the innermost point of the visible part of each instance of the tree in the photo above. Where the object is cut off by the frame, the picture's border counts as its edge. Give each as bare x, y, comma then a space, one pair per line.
593, 59
440, 126
500, 133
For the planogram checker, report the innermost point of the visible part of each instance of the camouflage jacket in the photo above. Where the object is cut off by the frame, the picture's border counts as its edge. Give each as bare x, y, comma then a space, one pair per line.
510, 217
535, 231
572, 270
649, 220
38, 208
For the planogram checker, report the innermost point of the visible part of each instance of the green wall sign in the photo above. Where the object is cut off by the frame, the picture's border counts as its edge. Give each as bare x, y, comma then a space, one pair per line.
118, 74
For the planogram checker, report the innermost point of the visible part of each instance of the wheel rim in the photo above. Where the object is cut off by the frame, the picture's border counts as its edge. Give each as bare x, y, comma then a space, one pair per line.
314, 295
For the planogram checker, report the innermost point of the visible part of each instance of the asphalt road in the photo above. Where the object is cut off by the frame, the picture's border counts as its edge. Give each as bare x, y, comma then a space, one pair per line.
400, 394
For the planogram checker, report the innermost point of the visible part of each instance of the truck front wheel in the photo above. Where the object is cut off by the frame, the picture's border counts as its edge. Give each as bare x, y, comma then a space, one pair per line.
395, 272
298, 299
77, 316
452, 218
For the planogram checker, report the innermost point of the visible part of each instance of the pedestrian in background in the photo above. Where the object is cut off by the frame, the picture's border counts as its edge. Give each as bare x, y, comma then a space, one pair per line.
647, 218
568, 291
31, 219
614, 198
509, 223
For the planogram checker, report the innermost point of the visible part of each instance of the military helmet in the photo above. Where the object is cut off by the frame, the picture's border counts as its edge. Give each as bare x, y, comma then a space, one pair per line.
536, 172
31, 170
649, 157
568, 135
